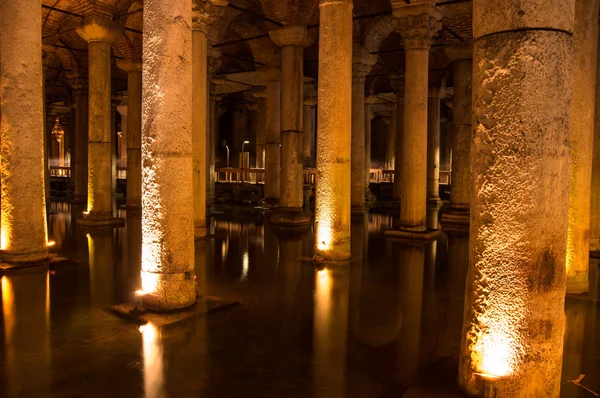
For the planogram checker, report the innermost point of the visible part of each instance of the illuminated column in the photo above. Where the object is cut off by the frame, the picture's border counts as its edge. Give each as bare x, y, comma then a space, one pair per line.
514, 304
122, 108
309, 130
595, 202
260, 95
168, 280
80, 172
23, 225
134, 136
362, 62
417, 23
434, 203
456, 218
585, 39
272, 136
100, 31
332, 207
390, 142
204, 12
291, 39
397, 83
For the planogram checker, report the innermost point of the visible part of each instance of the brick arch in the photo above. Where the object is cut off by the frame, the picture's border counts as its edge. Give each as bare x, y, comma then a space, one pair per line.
377, 33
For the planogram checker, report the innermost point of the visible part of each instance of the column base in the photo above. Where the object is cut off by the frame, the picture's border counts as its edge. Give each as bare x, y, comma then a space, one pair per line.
434, 204
456, 220
101, 222
200, 233
578, 285
409, 235
8, 265
270, 203
290, 217
169, 292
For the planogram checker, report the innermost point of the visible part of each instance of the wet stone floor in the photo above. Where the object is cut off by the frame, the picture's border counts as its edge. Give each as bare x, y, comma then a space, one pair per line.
388, 324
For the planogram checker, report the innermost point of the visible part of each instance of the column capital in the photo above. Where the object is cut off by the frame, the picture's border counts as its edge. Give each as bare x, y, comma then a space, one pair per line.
293, 35
204, 12
371, 99
417, 23
310, 101
362, 63
129, 65
459, 51
100, 26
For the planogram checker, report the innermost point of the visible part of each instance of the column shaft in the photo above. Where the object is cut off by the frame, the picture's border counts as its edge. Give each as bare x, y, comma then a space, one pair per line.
168, 279
390, 142
212, 148
585, 39
433, 160
260, 133
23, 225
332, 212
413, 164
358, 151
595, 199
368, 115
291, 128
99, 141
520, 157
134, 139
199, 133
81, 145
398, 142
272, 146
307, 129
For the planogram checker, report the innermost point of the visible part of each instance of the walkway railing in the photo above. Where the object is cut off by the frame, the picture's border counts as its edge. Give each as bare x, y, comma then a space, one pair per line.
384, 175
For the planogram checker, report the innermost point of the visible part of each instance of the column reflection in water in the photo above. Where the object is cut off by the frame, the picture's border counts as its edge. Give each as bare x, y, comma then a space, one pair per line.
26, 324
410, 260
153, 360
332, 285
102, 283
130, 278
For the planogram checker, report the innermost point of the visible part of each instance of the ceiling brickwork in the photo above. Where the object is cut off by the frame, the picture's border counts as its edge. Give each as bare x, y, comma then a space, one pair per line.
376, 34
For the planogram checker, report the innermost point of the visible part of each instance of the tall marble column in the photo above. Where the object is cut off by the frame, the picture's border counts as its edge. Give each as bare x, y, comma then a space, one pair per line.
417, 23
595, 202
514, 303
434, 203
272, 137
585, 39
260, 95
79, 163
390, 141
456, 218
291, 39
204, 12
397, 83
362, 62
168, 280
99, 31
134, 127
23, 226
332, 207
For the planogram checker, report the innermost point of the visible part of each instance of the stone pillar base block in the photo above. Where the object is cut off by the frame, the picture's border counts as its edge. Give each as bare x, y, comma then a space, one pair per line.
578, 285
290, 218
270, 203
200, 233
407, 235
171, 292
101, 222
456, 220
7, 265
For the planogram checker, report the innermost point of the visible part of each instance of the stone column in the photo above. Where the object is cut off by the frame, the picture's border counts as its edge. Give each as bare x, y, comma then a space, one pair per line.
434, 203
397, 83
332, 207
362, 62
456, 218
204, 12
213, 122
260, 95
367, 123
23, 226
80, 172
595, 202
514, 305
272, 136
123, 108
390, 142
100, 31
134, 137
168, 280
309, 130
291, 39
417, 23
585, 39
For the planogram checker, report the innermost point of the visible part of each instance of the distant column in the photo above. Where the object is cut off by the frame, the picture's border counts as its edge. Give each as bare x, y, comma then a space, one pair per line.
434, 203
80, 174
272, 137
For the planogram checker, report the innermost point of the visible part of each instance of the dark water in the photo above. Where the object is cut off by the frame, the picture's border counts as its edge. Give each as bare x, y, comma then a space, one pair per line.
386, 324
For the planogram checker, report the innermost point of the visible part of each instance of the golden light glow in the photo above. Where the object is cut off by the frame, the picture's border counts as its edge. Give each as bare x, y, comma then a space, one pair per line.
3, 238
149, 282
245, 266
153, 360
50, 243
324, 235
8, 309
496, 354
